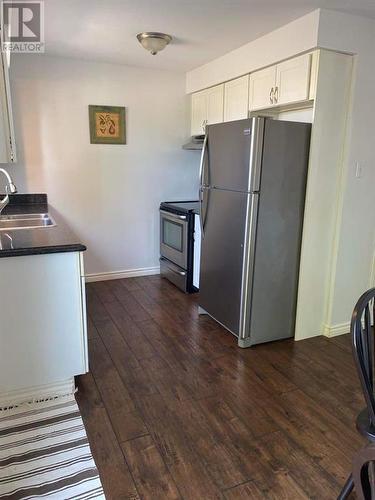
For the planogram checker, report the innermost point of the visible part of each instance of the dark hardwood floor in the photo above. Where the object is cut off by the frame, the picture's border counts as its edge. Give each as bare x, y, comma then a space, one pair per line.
174, 409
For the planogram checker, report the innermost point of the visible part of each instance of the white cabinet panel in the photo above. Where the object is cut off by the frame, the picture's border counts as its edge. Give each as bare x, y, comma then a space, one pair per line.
293, 80
215, 104
43, 331
84, 336
314, 74
198, 112
236, 99
262, 84
319, 252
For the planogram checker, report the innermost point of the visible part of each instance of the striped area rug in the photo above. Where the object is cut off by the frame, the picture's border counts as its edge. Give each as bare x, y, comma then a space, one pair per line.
44, 453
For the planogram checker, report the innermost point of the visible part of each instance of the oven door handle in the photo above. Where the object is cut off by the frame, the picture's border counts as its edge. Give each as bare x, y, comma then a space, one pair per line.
174, 216
169, 266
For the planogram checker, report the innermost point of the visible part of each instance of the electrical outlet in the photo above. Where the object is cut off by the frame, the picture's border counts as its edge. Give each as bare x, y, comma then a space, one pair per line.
358, 170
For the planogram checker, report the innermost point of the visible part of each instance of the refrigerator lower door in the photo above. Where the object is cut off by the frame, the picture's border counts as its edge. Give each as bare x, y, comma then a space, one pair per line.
225, 221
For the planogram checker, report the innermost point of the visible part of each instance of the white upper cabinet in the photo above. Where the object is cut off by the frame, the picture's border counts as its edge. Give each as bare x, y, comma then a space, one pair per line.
293, 80
281, 84
262, 85
215, 104
198, 112
284, 84
207, 107
236, 96
7, 141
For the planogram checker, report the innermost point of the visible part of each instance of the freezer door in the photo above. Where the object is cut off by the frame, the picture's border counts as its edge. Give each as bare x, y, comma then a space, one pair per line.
233, 154
222, 255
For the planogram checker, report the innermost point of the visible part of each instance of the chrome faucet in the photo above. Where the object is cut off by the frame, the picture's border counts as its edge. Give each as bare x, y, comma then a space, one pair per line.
10, 188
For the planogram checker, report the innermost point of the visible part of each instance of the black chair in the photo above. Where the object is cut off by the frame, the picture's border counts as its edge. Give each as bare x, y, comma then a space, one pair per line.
362, 333
363, 472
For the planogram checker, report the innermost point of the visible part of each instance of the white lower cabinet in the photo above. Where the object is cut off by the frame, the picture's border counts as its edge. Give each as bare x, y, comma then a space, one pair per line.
43, 335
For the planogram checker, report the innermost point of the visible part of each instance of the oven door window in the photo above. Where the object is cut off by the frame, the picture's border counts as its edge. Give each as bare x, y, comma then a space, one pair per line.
173, 235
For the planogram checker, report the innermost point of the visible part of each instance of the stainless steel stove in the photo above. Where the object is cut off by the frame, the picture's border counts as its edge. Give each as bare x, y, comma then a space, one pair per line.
180, 241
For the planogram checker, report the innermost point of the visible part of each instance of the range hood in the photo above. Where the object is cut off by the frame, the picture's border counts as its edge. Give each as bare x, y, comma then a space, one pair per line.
195, 143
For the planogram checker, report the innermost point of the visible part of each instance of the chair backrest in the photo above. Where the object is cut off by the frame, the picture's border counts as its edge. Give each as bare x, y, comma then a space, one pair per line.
363, 464
362, 332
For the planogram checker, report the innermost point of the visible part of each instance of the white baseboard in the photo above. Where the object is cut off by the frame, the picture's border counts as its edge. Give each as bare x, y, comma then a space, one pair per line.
116, 275
31, 394
334, 330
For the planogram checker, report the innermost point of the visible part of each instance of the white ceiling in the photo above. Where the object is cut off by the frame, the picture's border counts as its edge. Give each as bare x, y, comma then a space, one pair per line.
105, 30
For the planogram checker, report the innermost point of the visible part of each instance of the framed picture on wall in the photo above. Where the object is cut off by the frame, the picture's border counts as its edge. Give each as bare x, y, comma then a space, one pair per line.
107, 124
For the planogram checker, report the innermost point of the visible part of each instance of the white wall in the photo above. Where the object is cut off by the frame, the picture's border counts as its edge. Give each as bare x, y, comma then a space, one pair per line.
108, 194
353, 264
293, 38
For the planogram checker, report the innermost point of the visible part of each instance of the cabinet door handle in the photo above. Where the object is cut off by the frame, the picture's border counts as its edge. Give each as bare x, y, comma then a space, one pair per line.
271, 95
276, 94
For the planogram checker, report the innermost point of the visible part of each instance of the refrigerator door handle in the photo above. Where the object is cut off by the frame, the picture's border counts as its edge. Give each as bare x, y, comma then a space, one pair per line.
202, 163
201, 184
201, 210
244, 339
203, 213
256, 153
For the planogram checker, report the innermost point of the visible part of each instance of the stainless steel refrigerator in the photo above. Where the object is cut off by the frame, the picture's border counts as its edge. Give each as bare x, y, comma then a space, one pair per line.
252, 194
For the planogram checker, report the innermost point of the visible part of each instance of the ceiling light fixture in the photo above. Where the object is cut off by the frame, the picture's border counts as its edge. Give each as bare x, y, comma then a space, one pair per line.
153, 41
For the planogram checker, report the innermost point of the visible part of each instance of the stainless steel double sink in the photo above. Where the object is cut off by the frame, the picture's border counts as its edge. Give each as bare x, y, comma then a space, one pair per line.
25, 221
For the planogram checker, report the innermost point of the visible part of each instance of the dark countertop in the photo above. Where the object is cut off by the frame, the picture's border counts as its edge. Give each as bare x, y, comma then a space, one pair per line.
35, 241
182, 207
